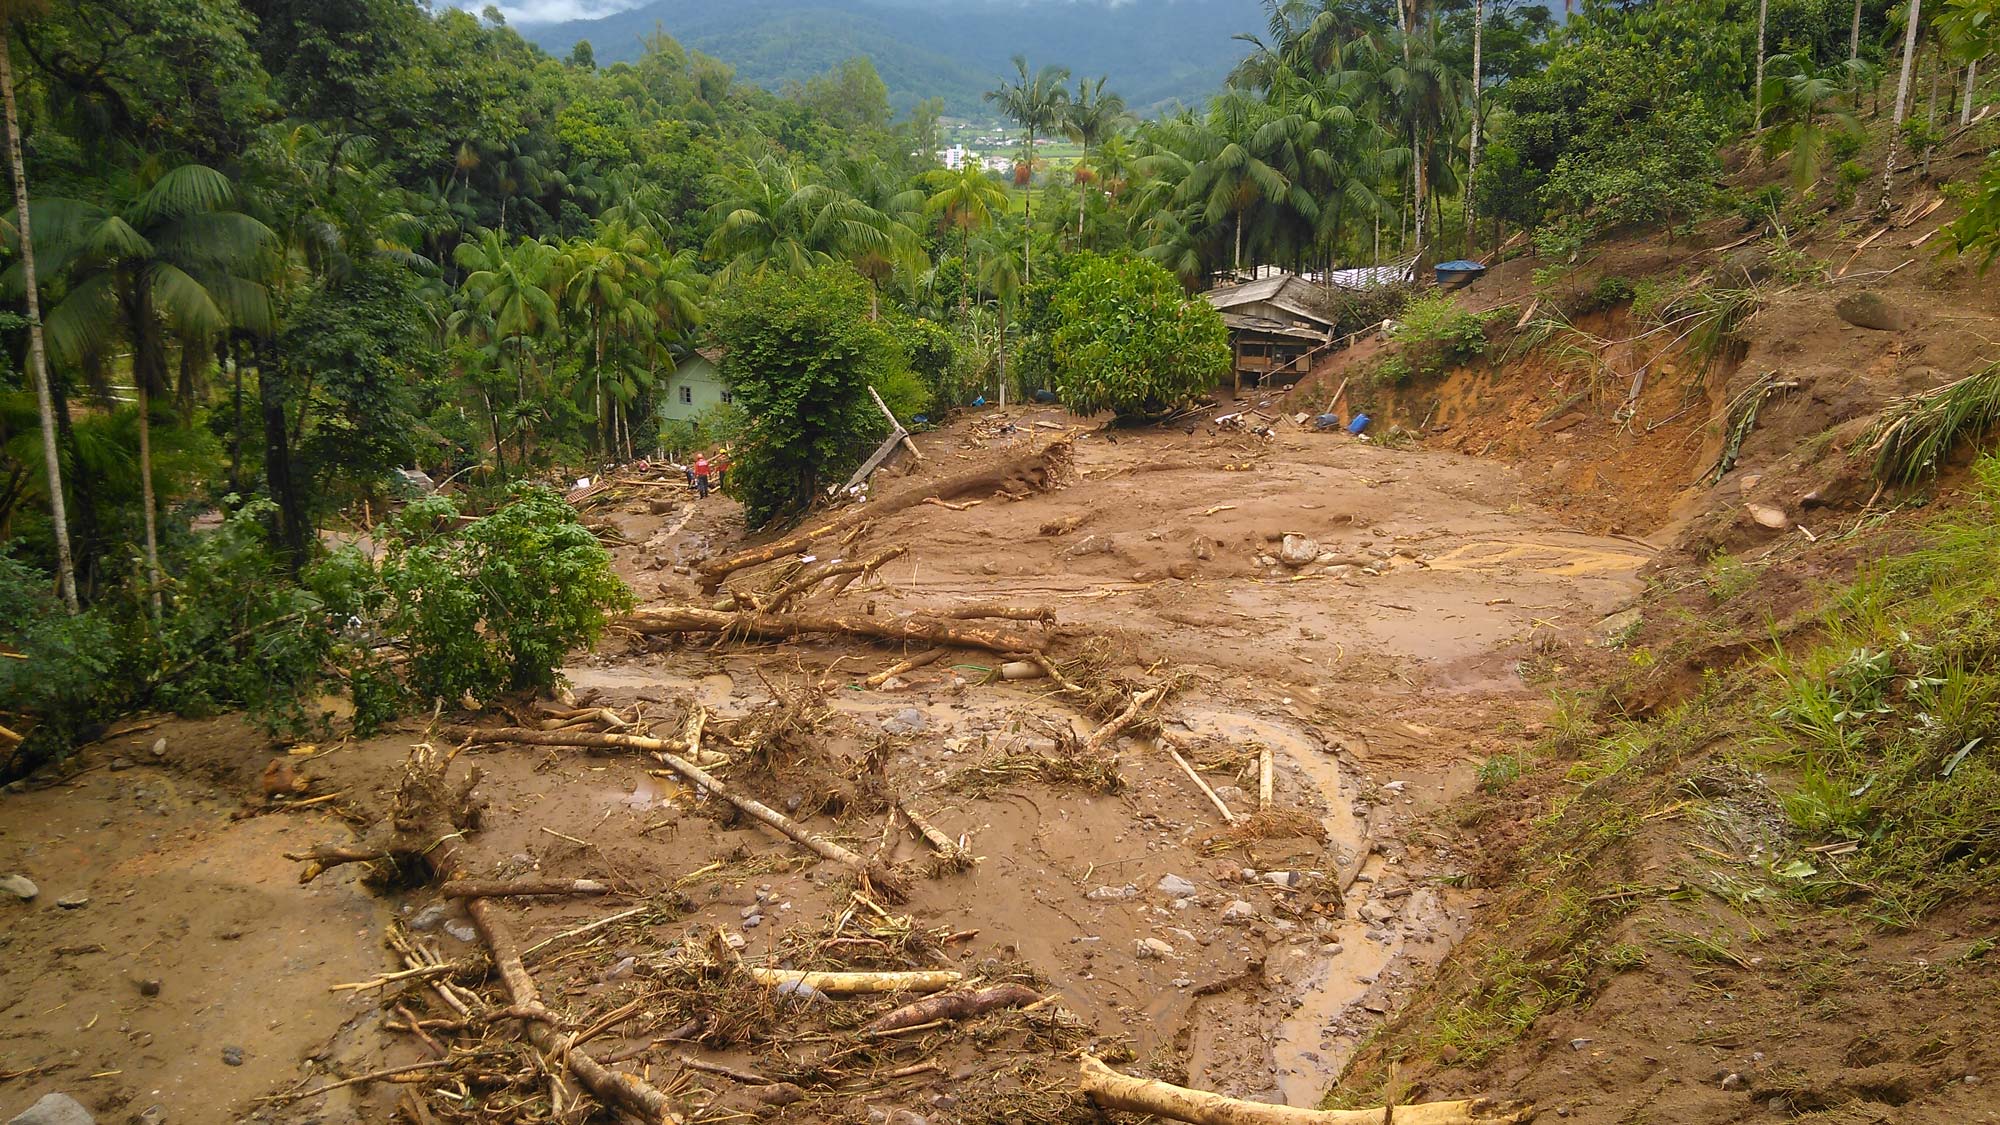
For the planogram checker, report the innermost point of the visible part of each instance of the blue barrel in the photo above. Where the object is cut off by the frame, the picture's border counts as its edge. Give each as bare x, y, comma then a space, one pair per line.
1359, 424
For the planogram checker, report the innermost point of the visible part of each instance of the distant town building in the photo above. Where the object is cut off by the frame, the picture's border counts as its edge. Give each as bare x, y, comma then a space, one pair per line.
956, 157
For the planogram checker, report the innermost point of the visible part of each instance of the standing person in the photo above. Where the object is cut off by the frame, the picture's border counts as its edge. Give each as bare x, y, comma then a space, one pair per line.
721, 464
701, 476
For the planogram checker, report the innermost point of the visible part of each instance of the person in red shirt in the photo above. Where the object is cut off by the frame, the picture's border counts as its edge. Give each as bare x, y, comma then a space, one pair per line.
701, 476
721, 465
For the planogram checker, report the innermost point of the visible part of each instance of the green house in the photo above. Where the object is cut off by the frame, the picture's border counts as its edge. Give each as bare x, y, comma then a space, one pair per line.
695, 387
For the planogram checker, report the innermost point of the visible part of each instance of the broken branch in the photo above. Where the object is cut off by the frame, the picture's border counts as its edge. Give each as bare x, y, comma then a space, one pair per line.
754, 624
1112, 1090
844, 984
954, 1006
523, 887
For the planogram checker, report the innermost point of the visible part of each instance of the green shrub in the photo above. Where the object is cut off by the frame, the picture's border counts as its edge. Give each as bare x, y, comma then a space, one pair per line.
1612, 290
1437, 333
800, 353
63, 683
1130, 340
499, 604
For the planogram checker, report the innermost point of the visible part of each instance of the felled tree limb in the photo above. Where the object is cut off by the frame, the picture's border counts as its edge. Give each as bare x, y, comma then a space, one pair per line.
579, 739
785, 826
472, 888
902, 666
696, 619
842, 984
1121, 720
946, 848
1039, 614
1199, 782
711, 572
323, 857
1112, 1090
954, 1006
812, 576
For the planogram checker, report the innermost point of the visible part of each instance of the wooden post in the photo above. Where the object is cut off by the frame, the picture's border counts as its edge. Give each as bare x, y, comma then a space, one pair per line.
895, 425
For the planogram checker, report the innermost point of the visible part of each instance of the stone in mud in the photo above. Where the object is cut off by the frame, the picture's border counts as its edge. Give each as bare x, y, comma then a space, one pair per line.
1375, 913
1113, 894
1297, 550
1767, 516
20, 886
54, 1109
1152, 949
430, 917
1870, 310
76, 901
463, 931
1173, 886
907, 721
1229, 794
232, 1056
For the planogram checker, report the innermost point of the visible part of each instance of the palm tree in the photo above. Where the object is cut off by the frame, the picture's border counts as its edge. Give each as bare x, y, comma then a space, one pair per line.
998, 277
774, 215
966, 200
171, 256
37, 356
1035, 103
1234, 179
1800, 94
1091, 118
510, 285
601, 278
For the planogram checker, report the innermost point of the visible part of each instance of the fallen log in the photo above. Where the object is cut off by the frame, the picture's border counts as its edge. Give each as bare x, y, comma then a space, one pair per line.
711, 572
1112, 1090
778, 626
847, 984
1040, 615
954, 1006
1121, 720
1199, 782
472, 888
953, 856
577, 739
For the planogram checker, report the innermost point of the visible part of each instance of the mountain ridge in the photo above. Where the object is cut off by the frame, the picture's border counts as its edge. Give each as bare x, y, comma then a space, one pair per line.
1155, 52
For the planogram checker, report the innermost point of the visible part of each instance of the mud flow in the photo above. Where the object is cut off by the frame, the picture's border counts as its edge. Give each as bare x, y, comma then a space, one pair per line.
1093, 843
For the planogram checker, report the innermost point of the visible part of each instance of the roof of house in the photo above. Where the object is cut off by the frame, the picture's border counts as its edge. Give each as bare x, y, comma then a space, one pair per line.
1288, 292
1264, 325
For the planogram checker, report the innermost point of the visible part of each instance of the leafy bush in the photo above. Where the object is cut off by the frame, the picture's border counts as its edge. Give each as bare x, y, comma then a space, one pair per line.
1437, 333
800, 353
60, 687
1130, 340
935, 366
498, 605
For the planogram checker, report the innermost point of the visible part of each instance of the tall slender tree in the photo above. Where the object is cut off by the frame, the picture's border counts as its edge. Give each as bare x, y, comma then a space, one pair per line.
38, 366
1036, 103
1902, 104
1092, 117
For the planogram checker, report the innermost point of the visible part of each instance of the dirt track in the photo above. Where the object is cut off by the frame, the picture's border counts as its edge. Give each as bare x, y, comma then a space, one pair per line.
1380, 679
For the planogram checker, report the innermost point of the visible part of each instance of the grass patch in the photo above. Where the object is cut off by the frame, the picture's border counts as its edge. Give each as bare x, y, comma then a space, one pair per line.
1915, 435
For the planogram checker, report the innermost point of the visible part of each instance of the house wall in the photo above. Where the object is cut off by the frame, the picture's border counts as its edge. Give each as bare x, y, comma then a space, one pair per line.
693, 388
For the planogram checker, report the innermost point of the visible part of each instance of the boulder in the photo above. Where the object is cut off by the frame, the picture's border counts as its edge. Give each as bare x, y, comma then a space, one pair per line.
1298, 550
1870, 310
1173, 886
54, 1109
1767, 516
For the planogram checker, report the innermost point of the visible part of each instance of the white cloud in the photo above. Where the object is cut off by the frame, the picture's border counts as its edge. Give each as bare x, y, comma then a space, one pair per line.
552, 11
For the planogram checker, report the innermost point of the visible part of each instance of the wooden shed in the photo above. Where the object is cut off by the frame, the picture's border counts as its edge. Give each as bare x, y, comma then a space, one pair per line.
1275, 323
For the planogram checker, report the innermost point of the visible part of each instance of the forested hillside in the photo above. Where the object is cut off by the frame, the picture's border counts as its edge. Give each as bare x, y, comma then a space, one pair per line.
1155, 51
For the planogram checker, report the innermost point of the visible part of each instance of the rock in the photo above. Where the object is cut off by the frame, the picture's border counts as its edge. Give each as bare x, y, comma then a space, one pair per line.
121, 763
54, 1109
624, 968
1578, 1044
1375, 913
752, 910
1767, 516
734, 941
1297, 550
752, 922
149, 987
76, 901
1333, 949
1240, 912
232, 1056
1089, 545
463, 931
430, 917
1618, 627
1230, 794
907, 721
1173, 886
20, 886
151, 1115
905, 1117
1152, 949
1266, 560
800, 993
159, 748
1870, 310
1113, 894
1021, 670
778, 1094
1733, 1081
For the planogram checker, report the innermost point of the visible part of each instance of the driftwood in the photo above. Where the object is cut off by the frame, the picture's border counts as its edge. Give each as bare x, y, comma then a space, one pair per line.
320, 858
1041, 615
1112, 1090
953, 856
711, 572
473, 888
885, 881
752, 624
954, 1006
579, 739
1199, 782
1266, 778
843, 984
1121, 720
813, 576
902, 666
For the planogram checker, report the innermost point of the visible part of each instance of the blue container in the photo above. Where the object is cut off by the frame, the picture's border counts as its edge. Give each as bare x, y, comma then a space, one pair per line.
1451, 275
1359, 424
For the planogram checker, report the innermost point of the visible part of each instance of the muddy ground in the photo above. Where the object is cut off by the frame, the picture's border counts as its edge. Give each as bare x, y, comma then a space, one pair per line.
197, 976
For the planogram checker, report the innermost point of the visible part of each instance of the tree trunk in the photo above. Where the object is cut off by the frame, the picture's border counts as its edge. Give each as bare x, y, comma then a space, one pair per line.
1472, 147
153, 582
37, 355
1000, 349
1238, 267
84, 556
190, 366
1902, 105
1028, 213
1757, 95
293, 528
1854, 34
236, 426
1930, 110
1971, 81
